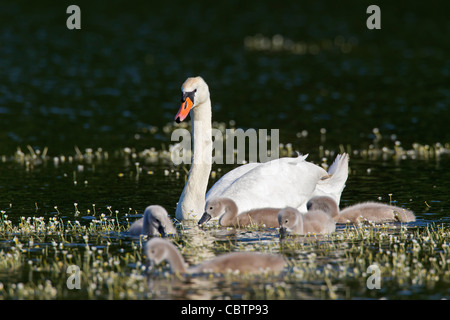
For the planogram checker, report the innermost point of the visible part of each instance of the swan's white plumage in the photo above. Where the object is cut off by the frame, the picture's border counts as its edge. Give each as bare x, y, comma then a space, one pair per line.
226, 180
333, 186
277, 183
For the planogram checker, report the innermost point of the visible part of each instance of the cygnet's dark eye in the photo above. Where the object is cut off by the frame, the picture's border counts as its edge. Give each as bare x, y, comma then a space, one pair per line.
286, 221
210, 208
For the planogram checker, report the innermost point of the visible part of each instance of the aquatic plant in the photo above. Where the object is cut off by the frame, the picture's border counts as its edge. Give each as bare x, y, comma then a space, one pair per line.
38, 245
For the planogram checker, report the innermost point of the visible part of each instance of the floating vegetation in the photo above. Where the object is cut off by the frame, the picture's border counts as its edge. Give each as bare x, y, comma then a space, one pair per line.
39, 251
279, 43
398, 152
41, 243
379, 148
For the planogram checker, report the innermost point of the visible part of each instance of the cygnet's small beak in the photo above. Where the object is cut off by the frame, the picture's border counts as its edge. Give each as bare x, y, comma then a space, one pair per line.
205, 218
187, 102
283, 231
162, 230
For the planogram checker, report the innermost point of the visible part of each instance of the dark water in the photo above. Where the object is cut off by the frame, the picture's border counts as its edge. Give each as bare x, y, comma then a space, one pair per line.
292, 66
98, 86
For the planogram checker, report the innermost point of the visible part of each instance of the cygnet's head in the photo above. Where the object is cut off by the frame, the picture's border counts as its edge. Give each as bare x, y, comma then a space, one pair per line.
156, 219
323, 203
194, 92
213, 208
156, 251
288, 218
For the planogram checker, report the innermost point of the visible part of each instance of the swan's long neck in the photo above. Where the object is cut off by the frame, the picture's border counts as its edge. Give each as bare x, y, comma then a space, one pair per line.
192, 200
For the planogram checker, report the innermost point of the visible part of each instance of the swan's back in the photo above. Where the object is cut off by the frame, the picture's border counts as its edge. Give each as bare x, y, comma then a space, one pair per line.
226, 180
375, 212
277, 184
245, 262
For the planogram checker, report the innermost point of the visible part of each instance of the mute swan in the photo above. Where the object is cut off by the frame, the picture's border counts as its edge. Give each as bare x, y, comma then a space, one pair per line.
291, 220
276, 184
155, 221
227, 211
157, 250
365, 211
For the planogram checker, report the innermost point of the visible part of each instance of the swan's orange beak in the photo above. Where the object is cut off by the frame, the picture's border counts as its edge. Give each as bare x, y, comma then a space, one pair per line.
186, 106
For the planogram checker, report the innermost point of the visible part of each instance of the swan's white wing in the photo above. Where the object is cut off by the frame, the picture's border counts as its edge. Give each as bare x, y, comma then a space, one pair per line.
277, 184
335, 184
226, 180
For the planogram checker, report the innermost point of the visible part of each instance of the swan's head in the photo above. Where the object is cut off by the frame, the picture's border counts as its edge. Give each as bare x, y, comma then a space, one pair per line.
323, 203
288, 219
156, 219
213, 208
194, 92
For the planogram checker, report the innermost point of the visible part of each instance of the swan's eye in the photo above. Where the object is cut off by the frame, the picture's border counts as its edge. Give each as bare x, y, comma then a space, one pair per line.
188, 94
286, 221
210, 208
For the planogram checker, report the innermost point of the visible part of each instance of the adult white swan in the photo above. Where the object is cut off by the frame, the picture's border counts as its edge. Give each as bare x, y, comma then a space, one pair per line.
277, 183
